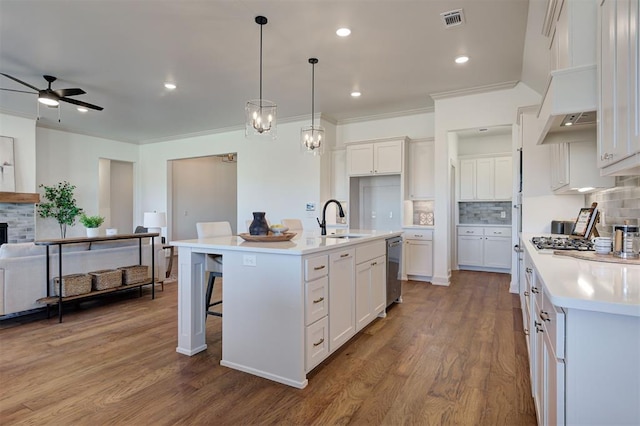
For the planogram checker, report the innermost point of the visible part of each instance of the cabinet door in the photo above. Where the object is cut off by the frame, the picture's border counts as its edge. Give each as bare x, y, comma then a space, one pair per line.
503, 178
485, 178
421, 166
419, 255
341, 298
552, 387
363, 295
606, 71
387, 157
316, 342
470, 250
559, 165
360, 160
339, 177
378, 285
497, 252
467, 179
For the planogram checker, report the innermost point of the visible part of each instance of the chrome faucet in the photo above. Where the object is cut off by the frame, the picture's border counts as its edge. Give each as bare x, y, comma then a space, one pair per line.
323, 224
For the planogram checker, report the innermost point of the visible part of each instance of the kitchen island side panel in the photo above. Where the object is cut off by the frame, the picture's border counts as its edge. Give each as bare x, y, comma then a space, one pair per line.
602, 368
263, 316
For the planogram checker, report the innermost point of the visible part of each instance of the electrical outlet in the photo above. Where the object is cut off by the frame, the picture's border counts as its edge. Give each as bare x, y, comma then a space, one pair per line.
249, 260
503, 214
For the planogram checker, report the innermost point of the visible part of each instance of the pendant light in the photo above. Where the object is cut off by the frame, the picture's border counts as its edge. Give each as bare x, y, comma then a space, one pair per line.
260, 113
312, 137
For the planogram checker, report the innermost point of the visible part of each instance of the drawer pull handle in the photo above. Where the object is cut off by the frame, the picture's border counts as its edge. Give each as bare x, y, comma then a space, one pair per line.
374, 263
539, 330
469, 232
526, 293
318, 300
528, 270
497, 233
344, 255
544, 316
319, 343
534, 290
526, 332
418, 235
537, 324
317, 268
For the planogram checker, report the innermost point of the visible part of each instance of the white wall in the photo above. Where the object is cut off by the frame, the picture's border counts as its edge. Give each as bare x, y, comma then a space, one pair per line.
415, 125
273, 175
23, 132
485, 145
465, 112
75, 158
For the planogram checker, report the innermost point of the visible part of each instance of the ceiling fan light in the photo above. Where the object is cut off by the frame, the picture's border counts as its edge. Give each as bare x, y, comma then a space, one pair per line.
48, 99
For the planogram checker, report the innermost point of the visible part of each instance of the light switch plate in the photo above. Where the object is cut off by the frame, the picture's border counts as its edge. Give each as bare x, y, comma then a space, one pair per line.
249, 260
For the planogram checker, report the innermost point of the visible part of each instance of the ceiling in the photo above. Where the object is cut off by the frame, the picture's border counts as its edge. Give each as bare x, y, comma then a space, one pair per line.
122, 51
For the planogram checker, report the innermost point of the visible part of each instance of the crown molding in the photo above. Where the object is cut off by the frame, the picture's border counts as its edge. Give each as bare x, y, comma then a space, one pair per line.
474, 90
394, 114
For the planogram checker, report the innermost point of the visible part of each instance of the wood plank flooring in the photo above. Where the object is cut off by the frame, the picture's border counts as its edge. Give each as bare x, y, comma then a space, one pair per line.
446, 356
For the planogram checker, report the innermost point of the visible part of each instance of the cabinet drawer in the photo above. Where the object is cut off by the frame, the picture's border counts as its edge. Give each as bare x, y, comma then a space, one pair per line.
470, 230
552, 319
316, 267
497, 232
316, 343
370, 251
426, 235
316, 300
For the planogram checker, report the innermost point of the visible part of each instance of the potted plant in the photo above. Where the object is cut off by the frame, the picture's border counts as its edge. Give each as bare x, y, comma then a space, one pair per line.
92, 223
60, 205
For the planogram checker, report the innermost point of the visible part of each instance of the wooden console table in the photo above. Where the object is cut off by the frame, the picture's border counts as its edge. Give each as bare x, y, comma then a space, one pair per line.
49, 300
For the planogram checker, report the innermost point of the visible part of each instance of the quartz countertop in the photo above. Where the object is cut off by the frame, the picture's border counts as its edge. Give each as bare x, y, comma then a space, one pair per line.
303, 243
588, 285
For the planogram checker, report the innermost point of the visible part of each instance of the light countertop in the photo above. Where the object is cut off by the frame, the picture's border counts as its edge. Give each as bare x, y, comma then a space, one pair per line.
303, 243
587, 285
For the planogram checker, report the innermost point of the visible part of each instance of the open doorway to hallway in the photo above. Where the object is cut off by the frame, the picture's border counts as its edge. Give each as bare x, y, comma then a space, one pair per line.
202, 189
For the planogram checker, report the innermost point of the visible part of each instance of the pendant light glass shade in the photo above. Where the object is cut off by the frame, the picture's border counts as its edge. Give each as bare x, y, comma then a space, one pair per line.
312, 137
260, 114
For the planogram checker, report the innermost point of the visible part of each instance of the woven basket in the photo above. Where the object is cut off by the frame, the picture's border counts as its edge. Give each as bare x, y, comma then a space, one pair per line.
134, 274
72, 285
106, 278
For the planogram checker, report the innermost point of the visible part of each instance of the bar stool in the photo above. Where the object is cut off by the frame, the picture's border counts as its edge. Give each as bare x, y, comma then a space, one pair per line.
213, 263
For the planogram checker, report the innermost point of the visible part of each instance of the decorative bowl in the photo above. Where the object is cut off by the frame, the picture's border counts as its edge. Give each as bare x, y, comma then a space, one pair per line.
278, 229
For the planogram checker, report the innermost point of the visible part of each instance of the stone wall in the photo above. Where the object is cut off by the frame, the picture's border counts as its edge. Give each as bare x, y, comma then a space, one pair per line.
21, 220
620, 204
485, 213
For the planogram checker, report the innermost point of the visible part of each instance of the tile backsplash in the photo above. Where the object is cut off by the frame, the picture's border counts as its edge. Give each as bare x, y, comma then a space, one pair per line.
620, 203
485, 213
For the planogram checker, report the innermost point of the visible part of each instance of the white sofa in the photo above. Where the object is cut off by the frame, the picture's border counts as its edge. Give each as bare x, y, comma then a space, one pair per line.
23, 267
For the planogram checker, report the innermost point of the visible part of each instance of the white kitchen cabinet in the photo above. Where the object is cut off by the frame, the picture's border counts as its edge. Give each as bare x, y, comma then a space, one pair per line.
619, 87
485, 179
418, 254
377, 158
484, 247
370, 291
370, 282
572, 168
421, 170
339, 178
341, 297
316, 293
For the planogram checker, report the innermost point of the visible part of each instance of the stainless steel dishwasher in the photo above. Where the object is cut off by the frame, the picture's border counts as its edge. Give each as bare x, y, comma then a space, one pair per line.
394, 262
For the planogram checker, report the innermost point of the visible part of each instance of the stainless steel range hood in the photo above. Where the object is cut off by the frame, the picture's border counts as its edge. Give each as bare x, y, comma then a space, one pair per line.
568, 110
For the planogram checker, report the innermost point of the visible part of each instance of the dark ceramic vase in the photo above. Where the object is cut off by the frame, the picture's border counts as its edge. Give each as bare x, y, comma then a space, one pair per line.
259, 226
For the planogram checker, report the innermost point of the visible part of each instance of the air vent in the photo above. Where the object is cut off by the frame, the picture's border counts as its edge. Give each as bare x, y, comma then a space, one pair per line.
452, 18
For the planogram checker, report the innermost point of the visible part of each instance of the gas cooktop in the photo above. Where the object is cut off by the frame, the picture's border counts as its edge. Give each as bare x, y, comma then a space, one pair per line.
562, 243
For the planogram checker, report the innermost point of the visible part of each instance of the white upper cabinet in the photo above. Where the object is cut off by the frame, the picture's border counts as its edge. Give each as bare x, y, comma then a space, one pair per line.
375, 158
572, 170
486, 179
619, 87
421, 166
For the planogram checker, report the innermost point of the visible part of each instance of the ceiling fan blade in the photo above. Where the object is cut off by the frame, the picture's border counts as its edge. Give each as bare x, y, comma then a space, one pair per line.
19, 91
83, 104
69, 92
21, 82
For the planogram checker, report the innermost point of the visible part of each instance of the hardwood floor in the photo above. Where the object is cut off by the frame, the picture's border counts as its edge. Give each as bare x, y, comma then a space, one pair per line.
447, 355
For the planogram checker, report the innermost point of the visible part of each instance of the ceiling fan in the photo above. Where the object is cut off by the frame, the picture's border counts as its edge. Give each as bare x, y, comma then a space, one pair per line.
52, 97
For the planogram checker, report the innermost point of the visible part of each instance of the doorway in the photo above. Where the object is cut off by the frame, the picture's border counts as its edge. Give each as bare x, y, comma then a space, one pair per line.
115, 194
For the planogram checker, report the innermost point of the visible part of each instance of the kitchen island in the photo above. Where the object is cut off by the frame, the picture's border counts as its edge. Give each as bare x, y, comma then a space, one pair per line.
287, 305
582, 321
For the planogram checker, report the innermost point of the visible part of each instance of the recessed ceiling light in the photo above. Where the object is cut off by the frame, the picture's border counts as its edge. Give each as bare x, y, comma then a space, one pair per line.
82, 109
356, 94
170, 86
461, 59
343, 32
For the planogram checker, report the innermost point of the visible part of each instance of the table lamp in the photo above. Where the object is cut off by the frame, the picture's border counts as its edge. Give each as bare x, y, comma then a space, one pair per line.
154, 221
